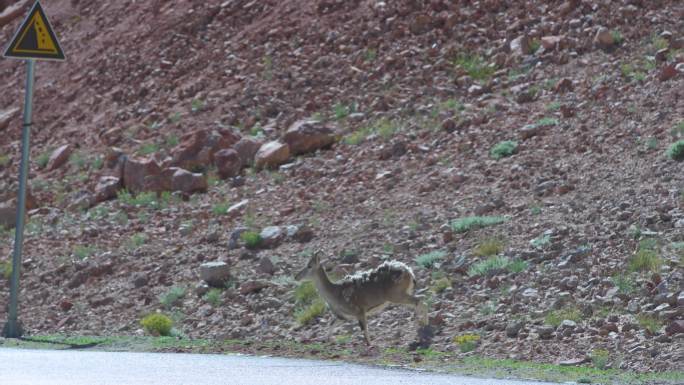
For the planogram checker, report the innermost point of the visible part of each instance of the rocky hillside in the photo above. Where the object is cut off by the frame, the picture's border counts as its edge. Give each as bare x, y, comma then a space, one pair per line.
520, 156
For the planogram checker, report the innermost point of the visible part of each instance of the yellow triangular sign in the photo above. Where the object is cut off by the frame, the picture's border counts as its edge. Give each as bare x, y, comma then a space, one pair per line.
35, 39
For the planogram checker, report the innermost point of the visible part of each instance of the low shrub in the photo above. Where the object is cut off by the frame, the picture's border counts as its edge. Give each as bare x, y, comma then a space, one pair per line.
157, 324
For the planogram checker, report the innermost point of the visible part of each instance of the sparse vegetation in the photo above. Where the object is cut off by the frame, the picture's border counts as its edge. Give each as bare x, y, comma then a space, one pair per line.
467, 342
220, 208
649, 323
676, 151
600, 358
428, 260
148, 148
489, 247
308, 304
213, 297
624, 283
504, 149
252, 239
645, 260
4, 161
137, 240
83, 251
43, 159
173, 297
157, 324
441, 284
496, 265
6, 269
617, 36
475, 66
541, 241
555, 317
466, 224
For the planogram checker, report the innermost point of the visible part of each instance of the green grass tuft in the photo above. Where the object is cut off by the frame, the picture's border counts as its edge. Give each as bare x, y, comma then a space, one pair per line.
494, 265
676, 151
252, 239
645, 260
504, 149
213, 297
555, 317
600, 358
489, 247
173, 297
475, 66
466, 224
307, 314
649, 323
428, 260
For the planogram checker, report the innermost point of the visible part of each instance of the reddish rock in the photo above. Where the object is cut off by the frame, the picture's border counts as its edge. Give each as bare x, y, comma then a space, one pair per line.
675, 327
309, 135
421, 24
107, 188
228, 163
521, 45
552, 42
247, 149
188, 182
272, 154
142, 175
7, 116
59, 157
604, 39
564, 85
197, 148
667, 72
253, 286
66, 305
8, 208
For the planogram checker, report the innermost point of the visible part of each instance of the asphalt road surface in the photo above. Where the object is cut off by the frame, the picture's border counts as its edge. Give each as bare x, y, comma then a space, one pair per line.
60, 367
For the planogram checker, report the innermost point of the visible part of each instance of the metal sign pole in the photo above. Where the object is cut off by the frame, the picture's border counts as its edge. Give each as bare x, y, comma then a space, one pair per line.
13, 328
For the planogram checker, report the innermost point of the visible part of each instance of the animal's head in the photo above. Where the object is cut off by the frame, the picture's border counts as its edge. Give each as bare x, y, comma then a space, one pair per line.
310, 268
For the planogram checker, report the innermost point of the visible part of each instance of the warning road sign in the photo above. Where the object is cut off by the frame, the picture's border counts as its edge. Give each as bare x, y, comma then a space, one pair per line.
35, 39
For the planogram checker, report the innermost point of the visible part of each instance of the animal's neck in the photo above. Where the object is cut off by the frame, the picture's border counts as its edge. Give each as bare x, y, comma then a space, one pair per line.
323, 283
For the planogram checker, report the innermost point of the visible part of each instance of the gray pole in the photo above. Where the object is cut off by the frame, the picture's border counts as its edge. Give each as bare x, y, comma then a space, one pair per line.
13, 328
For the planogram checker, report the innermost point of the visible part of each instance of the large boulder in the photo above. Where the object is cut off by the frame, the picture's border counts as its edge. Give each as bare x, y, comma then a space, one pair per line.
228, 163
188, 182
197, 149
142, 175
59, 157
272, 155
215, 274
309, 135
247, 149
107, 188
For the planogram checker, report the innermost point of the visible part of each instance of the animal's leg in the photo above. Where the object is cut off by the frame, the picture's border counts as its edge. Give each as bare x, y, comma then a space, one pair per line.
364, 326
419, 307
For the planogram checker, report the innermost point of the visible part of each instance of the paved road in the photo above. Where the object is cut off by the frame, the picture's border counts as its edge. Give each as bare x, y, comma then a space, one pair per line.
38, 367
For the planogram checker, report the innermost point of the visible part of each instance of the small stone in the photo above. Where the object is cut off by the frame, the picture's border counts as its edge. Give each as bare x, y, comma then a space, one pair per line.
59, 157
604, 38
545, 332
139, 280
513, 328
271, 236
7, 116
667, 72
530, 293
215, 274
266, 266
675, 327
252, 287
238, 207
65, 305
568, 324
521, 45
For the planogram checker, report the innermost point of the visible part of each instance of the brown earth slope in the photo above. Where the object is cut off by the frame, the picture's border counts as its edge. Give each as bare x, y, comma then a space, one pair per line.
420, 92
